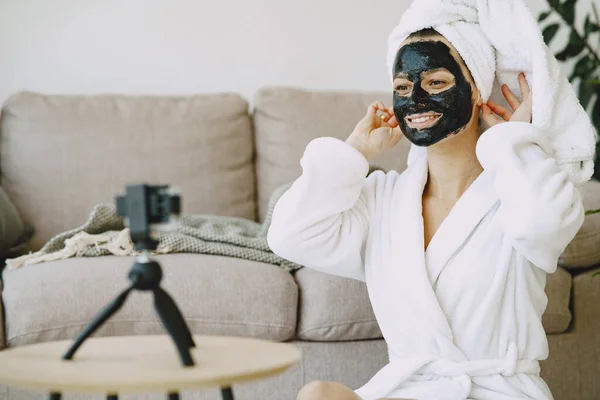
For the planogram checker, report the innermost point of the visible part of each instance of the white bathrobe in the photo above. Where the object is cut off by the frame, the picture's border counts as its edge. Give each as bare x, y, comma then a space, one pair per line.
462, 318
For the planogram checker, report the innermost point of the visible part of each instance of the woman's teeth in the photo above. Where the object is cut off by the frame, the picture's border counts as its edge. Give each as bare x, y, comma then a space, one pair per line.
422, 119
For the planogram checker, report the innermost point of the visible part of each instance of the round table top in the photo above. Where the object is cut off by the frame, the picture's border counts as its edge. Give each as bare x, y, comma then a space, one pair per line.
143, 363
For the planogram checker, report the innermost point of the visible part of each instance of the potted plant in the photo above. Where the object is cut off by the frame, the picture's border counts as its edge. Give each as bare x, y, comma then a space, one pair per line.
585, 75
586, 71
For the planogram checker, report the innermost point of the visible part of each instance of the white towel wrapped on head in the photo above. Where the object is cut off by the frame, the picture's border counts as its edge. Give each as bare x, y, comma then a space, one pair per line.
498, 39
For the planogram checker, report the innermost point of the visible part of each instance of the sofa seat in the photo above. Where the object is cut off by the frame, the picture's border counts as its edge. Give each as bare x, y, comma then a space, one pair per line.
217, 295
337, 309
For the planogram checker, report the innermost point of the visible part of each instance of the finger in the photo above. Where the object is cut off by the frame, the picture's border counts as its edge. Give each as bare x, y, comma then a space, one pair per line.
530, 97
393, 122
529, 102
385, 115
383, 118
372, 110
377, 106
501, 111
388, 112
524, 113
524, 86
510, 97
488, 116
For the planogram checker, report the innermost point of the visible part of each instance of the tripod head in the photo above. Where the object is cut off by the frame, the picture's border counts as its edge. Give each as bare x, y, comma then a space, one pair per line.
148, 210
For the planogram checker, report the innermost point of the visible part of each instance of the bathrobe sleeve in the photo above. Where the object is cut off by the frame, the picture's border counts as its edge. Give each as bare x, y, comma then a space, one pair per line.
540, 208
321, 221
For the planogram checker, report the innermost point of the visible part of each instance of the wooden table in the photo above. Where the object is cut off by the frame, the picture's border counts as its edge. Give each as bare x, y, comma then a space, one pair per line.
122, 364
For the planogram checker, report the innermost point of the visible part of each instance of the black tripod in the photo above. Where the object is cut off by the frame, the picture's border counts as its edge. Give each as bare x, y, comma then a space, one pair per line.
146, 274
145, 205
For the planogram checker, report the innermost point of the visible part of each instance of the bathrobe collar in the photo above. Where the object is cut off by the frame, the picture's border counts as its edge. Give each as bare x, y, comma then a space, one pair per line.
420, 269
475, 203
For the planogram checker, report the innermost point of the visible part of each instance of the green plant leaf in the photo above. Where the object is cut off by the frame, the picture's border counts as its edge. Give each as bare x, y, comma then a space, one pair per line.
590, 212
574, 47
554, 3
596, 114
584, 67
549, 33
594, 82
596, 163
590, 27
544, 15
596, 273
586, 92
568, 11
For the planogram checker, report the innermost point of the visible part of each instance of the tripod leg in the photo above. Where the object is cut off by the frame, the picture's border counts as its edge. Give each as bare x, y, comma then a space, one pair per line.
174, 323
55, 396
174, 314
227, 393
108, 311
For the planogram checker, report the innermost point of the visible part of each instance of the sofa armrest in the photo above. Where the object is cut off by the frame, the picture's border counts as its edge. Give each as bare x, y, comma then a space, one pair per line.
2, 321
12, 226
586, 327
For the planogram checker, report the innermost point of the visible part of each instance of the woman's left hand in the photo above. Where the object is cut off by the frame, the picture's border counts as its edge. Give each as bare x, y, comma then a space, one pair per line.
522, 110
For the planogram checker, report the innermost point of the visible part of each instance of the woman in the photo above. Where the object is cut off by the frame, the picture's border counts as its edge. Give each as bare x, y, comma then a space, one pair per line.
455, 250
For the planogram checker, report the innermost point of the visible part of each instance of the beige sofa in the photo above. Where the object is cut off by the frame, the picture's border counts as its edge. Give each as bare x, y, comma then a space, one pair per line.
60, 155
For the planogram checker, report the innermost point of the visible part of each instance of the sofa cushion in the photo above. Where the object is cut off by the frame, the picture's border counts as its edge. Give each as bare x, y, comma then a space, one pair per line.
287, 119
332, 308
217, 295
61, 155
557, 317
336, 309
584, 250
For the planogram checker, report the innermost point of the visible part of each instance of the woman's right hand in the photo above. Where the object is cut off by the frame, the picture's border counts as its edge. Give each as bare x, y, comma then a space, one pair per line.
373, 134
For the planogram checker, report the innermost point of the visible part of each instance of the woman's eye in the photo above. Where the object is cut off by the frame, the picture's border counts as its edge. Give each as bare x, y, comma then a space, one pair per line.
437, 83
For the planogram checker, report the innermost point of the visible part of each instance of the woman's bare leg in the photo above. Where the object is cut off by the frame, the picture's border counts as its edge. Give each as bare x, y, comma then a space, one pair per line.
323, 390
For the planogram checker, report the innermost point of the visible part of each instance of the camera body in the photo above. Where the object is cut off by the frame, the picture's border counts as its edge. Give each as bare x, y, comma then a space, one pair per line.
148, 210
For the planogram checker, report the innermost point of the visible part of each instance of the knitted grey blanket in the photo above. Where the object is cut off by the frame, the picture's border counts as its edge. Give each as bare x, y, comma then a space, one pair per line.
104, 233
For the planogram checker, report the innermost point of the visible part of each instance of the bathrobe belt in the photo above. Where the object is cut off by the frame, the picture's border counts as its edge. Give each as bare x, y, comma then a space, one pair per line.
399, 370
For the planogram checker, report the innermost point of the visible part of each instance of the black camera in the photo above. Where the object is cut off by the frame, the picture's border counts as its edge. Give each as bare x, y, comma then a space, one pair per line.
148, 210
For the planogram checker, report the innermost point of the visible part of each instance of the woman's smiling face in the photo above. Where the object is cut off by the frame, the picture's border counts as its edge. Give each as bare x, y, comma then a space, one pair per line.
433, 93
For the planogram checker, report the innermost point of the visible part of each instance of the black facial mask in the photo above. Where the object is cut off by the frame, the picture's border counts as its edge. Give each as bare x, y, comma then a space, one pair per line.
455, 104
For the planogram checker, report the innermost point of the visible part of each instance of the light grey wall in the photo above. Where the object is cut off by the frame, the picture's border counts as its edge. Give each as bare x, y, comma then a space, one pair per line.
186, 46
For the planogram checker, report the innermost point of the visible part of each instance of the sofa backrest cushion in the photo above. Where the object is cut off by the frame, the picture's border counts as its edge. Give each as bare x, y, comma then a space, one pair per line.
287, 119
584, 249
60, 155
334, 309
